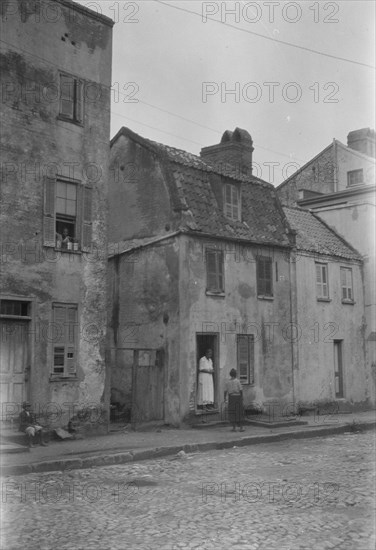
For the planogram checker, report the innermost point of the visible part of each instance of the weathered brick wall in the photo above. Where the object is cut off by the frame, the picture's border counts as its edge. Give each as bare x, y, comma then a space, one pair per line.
318, 175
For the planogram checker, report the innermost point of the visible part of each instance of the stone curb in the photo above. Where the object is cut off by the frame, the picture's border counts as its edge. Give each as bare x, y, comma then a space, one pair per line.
146, 454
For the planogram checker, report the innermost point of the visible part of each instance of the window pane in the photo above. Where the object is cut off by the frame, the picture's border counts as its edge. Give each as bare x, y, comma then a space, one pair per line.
60, 206
71, 191
61, 189
70, 208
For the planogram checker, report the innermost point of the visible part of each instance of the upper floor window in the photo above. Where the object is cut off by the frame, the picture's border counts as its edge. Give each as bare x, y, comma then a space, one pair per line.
214, 271
67, 215
71, 98
354, 177
347, 284
264, 268
232, 202
322, 287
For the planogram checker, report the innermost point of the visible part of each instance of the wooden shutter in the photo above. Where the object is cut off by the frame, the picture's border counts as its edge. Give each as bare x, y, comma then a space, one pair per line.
67, 92
260, 277
71, 360
243, 358
87, 218
214, 270
211, 271
268, 277
79, 100
220, 277
49, 223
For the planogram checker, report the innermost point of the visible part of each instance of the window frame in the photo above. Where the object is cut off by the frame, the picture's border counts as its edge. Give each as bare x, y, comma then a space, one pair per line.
218, 273
250, 362
320, 285
76, 98
69, 346
82, 221
346, 285
354, 173
262, 281
229, 207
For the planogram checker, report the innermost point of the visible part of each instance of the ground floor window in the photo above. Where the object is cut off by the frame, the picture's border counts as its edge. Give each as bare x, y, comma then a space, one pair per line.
65, 340
246, 358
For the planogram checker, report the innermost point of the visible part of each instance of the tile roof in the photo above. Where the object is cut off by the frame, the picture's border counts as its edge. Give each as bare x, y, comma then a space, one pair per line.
196, 188
314, 235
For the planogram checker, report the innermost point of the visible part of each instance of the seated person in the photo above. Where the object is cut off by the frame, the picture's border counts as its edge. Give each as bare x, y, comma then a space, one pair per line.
29, 425
63, 240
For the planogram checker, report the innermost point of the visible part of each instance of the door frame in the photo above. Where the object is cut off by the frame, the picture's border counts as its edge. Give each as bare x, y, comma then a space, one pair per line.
30, 322
215, 349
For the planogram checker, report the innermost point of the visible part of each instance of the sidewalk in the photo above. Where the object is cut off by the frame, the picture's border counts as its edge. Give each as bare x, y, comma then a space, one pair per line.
128, 446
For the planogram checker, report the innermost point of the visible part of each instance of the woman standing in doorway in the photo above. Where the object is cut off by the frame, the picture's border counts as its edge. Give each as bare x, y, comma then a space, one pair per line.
205, 395
234, 391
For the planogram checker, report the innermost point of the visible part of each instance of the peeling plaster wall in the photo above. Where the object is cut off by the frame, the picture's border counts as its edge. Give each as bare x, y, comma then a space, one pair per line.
38, 144
321, 323
266, 319
144, 314
139, 200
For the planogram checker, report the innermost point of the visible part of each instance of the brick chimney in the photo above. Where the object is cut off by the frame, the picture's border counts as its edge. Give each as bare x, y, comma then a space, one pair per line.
235, 151
363, 141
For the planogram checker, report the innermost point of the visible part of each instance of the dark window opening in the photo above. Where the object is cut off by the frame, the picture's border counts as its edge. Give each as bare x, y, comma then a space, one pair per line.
14, 307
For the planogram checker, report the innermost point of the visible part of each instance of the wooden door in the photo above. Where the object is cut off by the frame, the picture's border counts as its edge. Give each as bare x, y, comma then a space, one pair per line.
14, 361
147, 386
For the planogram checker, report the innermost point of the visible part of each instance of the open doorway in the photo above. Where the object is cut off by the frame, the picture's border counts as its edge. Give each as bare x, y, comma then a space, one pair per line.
205, 341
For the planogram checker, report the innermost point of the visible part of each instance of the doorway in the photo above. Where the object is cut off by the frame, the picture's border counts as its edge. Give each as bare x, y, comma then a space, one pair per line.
204, 341
14, 360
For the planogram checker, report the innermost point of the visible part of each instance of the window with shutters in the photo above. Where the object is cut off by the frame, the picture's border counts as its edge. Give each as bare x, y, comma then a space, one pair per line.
347, 285
71, 98
232, 202
214, 271
264, 268
246, 358
67, 215
64, 335
322, 287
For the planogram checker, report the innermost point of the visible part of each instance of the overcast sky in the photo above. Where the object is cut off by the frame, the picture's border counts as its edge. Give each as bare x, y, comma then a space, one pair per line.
176, 72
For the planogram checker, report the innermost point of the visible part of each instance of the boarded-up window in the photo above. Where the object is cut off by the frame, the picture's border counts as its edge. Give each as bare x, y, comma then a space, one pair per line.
214, 271
264, 268
347, 284
322, 287
63, 334
246, 358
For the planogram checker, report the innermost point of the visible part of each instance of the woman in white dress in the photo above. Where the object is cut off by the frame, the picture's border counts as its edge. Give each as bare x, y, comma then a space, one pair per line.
205, 380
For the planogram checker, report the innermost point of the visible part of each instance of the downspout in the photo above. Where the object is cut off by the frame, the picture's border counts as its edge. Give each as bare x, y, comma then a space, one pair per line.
335, 164
294, 315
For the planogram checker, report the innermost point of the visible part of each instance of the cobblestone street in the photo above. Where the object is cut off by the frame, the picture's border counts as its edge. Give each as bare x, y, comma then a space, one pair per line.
308, 494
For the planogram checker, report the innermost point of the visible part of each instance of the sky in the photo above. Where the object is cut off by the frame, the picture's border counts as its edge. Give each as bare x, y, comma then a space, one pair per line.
183, 72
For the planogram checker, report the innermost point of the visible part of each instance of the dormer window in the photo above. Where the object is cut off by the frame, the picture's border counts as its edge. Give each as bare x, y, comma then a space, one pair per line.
232, 202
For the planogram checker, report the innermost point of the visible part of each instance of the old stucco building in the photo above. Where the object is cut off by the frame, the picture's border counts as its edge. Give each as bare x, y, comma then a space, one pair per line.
55, 119
203, 255
338, 185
